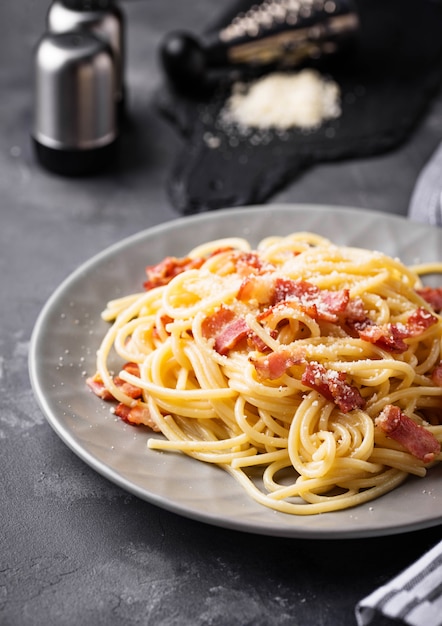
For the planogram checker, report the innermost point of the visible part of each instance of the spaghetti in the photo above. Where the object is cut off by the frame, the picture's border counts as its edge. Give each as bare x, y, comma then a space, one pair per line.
310, 372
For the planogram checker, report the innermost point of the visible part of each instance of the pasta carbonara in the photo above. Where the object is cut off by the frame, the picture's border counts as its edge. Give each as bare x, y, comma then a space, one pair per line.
310, 372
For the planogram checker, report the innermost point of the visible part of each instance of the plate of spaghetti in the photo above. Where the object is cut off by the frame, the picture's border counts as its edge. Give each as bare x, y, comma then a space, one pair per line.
275, 370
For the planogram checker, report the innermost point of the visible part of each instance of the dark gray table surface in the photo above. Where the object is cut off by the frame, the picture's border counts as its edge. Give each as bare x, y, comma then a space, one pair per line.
74, 548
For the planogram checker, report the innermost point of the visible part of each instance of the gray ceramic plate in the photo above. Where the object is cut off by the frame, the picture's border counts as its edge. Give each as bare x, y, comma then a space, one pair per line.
69, 330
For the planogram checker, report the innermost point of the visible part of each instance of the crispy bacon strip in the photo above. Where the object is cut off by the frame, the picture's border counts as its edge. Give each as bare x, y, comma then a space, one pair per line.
333, 386
432, 295
163, 272
274, 365
391, 337
164, 320
215, 323
96, 384
418, 441
321, 304
226, 328
388, 337
128, 388
419, 321
256, 343
286, 289
231, 335
136, 415
354, 318
259, 288
250, 263
355, 312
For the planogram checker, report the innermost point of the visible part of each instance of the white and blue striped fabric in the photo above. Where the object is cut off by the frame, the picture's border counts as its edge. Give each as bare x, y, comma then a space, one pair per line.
414, 597
426, 200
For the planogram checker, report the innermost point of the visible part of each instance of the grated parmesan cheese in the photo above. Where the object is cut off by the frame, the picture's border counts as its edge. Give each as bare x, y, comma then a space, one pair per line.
284, 100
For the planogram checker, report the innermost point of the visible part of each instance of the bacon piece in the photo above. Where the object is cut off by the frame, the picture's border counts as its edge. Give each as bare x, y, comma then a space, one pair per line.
419, 321
436, 375
355, 312
432, 295
286, 289
95, 383
250, 263
335, 302
418, 441
320, 304
354, 318
388, 337
164, 320
333, 386
163, 272
256, 343
226, 328
130, 390
274, 365
231, 335
136, 415
391, 337
259, 288
215, 323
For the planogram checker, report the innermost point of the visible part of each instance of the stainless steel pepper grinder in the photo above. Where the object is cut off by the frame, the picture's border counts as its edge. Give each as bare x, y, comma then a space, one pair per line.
103, 18
79, 86
75, 127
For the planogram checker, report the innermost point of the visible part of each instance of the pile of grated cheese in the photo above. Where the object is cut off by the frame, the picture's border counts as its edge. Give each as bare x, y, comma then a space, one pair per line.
280, 100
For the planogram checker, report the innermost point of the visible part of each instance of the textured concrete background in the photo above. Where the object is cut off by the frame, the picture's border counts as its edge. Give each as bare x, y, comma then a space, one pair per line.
75, 549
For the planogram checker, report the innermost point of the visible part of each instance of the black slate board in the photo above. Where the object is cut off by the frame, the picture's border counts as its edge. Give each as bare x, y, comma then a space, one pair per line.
386, 85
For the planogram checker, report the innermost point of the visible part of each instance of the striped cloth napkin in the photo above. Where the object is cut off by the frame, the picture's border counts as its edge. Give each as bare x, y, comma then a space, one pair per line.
414, 597
426, 199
